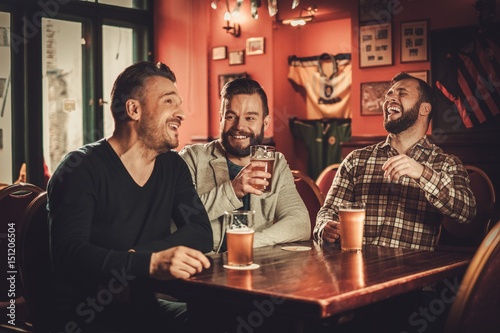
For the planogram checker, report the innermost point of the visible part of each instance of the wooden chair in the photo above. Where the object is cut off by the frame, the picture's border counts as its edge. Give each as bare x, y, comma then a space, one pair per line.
469, 236
477, 306
325, 178
310, 194
13, 202
34, 260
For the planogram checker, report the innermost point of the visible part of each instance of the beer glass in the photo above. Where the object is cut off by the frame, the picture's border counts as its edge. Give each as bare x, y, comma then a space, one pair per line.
352, 220
239, 237
265, 154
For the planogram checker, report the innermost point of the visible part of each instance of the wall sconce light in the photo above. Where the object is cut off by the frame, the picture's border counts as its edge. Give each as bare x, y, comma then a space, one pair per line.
235, 29
302, 20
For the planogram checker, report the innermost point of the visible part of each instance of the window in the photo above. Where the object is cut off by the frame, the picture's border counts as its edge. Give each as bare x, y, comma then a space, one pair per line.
5, 101
65, 92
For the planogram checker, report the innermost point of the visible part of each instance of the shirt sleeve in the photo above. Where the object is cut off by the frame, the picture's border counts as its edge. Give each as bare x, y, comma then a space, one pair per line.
291, 220
448, 190
342, 189
217, 199
189, 215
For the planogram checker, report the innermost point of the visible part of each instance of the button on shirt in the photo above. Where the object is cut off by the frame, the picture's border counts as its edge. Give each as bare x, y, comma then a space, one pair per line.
406, 212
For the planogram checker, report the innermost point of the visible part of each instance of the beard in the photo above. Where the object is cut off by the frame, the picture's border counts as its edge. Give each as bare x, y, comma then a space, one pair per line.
241, 151
155, 138
407, 120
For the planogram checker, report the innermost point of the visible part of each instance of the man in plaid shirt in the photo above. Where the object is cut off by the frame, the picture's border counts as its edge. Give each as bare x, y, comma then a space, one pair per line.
407, 183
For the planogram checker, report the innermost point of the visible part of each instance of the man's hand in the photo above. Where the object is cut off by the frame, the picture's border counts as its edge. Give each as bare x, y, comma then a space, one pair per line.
177, 262
248, 177
331, 232
402, 165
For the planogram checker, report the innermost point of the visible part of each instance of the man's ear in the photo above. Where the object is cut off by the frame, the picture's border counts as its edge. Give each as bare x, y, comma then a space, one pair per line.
133, 108
267, 121
425, 108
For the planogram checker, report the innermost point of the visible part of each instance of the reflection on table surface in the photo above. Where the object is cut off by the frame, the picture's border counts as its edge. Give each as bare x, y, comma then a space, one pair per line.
324, 280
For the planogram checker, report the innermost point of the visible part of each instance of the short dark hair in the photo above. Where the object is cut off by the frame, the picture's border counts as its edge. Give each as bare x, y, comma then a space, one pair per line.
244, 86
425, 90
130, 84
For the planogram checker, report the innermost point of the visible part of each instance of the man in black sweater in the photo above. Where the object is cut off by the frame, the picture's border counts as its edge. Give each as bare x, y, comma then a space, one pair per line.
111, 206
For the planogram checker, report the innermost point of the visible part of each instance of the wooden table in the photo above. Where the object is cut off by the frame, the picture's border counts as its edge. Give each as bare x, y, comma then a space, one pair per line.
293, 287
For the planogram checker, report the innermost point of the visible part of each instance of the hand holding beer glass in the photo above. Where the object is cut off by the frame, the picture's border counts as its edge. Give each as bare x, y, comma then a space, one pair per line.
239, 236
266, 154
352, 220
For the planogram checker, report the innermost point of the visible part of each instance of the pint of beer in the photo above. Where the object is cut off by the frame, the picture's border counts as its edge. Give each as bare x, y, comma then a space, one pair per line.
239, 236
352, 220
265, 154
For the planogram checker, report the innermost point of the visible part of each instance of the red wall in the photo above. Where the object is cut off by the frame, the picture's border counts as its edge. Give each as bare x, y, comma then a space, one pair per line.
258, 66
187, 30
181, 41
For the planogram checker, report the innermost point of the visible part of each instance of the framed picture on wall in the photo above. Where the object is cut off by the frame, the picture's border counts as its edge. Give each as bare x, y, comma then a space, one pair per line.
375, 45
219, 53
237, 57
423, 75
414, 41
255, 45
372, 97
225, 78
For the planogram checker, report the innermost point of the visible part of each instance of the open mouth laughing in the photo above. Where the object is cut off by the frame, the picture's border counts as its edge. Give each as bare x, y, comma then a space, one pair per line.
393, 110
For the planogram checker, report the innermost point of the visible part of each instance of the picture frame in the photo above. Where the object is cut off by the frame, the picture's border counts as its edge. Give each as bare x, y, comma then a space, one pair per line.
375, 45
4, 36
372, 95
225, 78
414, 41
219, 52
370, 10
236, 57
423, 75
255, 45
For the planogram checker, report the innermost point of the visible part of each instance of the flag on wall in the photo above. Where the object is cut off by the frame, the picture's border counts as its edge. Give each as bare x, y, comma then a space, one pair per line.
327, 81
473, 81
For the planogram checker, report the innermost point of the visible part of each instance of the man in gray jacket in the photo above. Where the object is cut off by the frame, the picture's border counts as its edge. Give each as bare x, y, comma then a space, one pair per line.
224, 179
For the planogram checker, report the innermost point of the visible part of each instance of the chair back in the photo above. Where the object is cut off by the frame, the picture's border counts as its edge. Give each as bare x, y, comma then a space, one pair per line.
477, 306
34, 260
325, 178
310, 194
470, 236
13, 202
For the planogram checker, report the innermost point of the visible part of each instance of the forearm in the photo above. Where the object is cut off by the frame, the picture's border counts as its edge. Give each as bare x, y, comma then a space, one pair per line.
284, 231
449, 192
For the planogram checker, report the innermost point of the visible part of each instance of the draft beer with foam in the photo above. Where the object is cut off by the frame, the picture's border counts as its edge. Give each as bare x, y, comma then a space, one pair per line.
352, 220
239, 237
261, 153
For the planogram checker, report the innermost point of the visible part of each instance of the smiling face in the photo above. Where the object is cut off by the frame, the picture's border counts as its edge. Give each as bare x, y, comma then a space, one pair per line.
161, 114
401, 106
242, 124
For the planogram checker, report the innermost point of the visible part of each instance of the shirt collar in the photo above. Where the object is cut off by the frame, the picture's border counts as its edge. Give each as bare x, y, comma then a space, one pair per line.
423, 143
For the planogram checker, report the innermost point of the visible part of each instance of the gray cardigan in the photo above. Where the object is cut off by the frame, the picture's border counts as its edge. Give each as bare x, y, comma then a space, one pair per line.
280, 215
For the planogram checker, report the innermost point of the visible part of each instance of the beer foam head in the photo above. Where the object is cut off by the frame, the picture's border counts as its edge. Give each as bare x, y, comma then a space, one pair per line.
242, 230
354, 210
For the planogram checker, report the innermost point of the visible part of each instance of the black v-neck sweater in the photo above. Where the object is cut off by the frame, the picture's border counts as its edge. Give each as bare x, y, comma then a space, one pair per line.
97, 213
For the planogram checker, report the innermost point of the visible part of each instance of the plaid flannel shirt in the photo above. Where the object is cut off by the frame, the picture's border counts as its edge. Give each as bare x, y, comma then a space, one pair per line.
404, 213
